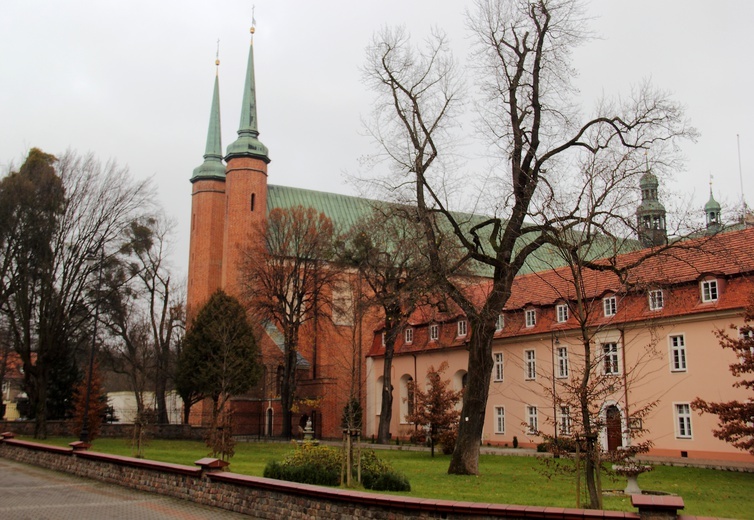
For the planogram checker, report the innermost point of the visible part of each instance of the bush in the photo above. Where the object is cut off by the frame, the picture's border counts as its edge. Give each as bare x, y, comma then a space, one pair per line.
321, 465
447, 440
559, 445
305, 474
386, 481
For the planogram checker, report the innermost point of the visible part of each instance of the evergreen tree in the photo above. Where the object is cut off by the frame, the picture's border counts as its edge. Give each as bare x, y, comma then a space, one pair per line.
219, 359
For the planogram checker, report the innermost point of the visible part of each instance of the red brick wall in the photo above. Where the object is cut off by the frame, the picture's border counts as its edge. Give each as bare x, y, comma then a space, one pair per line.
245, 176
206, 243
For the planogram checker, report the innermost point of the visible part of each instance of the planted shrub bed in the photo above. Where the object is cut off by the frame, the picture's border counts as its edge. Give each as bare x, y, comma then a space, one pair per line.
323, 465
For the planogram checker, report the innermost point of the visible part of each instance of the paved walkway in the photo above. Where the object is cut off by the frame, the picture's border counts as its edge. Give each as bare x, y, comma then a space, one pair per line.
31, 493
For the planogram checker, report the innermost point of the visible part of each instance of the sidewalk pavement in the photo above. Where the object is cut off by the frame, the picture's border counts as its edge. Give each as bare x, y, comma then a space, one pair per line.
32, 493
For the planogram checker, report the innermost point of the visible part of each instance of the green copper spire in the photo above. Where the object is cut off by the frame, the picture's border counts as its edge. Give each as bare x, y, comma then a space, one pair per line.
247, 144
213, 167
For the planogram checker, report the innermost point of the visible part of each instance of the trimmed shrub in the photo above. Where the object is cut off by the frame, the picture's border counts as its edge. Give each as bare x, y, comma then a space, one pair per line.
386, 481
321, 465
305, 474
559, 445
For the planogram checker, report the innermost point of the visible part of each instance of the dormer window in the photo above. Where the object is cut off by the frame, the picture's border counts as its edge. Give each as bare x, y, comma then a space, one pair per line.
561, 311
500, 323
709, 291
531, 317
656, 300
610, 305
462, 328
409, 335
434, 332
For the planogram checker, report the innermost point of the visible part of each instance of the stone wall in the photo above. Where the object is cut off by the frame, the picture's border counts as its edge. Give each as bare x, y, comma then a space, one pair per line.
272, 499
114, 430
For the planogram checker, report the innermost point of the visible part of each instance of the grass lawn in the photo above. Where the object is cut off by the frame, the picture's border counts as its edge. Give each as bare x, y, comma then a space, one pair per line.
512, 480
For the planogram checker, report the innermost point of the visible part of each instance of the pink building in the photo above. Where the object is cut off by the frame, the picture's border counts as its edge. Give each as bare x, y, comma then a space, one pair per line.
652, 342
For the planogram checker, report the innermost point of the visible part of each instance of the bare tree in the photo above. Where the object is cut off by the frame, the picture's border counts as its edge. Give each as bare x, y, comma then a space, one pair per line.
66, 211
385, 249
163, 309
526, 112
283, 281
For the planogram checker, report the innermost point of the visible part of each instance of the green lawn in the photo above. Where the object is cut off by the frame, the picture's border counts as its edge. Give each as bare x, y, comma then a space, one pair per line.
513, 480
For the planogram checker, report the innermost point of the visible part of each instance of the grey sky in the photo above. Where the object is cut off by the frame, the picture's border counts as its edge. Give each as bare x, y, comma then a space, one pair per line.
132, 81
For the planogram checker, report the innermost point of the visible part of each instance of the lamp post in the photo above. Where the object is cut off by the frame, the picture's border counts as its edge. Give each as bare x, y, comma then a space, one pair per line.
84, 437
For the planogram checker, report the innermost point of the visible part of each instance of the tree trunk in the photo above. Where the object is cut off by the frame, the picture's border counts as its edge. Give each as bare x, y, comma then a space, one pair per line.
160, 385
386, 407
288, 390
465, 460
39, 402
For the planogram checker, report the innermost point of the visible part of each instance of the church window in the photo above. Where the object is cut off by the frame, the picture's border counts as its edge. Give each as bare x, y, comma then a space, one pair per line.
253, 200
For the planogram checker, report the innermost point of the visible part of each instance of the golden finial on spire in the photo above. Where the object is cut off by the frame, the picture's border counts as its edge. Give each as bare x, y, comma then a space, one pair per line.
217, 53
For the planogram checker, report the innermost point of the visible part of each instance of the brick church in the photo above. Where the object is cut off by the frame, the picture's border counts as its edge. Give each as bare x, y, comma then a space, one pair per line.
230, 198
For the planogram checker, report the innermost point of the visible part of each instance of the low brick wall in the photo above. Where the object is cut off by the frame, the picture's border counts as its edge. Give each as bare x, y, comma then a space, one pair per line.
110, 430
268, 498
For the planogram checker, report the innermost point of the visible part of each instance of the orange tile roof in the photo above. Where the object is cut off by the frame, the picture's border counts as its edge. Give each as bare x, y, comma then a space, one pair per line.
677, 270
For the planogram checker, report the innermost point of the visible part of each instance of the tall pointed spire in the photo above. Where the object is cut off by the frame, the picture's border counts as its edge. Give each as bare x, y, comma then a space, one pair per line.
213, 167
712, 211
248, 144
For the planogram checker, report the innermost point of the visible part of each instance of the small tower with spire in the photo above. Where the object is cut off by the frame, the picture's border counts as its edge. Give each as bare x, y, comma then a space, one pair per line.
712, 212
207, 213
245, 182
650, 215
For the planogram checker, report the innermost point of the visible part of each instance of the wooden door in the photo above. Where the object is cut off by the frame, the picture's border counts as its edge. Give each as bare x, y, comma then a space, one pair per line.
614, 430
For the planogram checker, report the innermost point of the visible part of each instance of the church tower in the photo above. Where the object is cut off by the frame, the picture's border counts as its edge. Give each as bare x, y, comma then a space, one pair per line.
207, 215
245, 184
712, 212
650, 214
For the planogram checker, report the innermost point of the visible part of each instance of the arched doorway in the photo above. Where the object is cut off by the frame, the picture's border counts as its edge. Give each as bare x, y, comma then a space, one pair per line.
613, 427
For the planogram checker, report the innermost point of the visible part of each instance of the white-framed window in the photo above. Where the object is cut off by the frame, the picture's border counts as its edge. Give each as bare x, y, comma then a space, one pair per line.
408, 335
656, 300
610, 305
531, 317
6, 391
462, 328
500, 419
500, 323
562, 312
563, 368
677, 353
532, 420
610, 359
564, 421
434, 332
498, 370
709, 291
383, 338
683, 420
530, 364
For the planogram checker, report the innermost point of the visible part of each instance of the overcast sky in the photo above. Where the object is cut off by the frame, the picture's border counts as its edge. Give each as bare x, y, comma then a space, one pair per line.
132, 81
